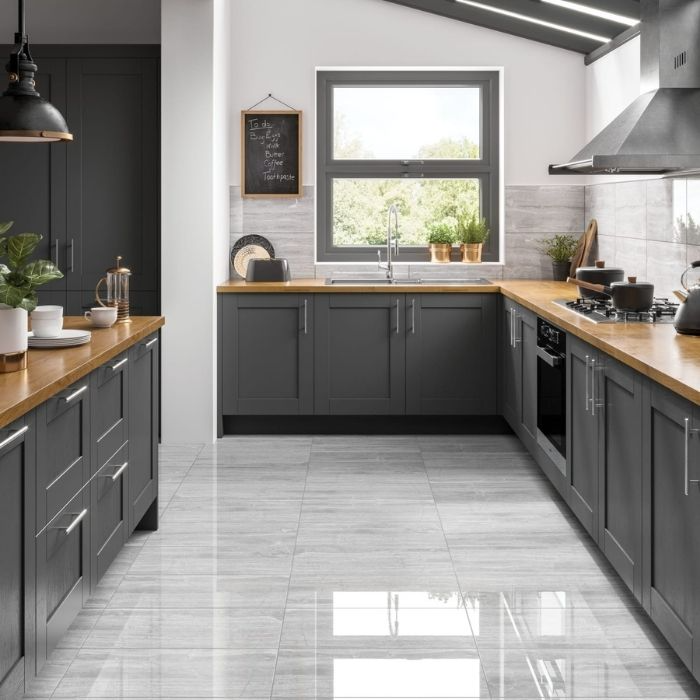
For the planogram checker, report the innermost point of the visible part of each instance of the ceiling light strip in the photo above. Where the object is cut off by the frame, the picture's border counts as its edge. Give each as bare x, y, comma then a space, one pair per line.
533, 20
594, 12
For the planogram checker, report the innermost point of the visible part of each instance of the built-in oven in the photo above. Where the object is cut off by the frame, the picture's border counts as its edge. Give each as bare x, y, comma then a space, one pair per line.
551, 392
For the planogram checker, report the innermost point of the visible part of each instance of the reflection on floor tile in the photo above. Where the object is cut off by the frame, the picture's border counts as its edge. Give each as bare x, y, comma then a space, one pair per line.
361, 567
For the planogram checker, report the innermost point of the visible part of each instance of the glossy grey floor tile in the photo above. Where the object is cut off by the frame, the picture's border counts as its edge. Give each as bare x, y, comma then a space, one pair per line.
304, 568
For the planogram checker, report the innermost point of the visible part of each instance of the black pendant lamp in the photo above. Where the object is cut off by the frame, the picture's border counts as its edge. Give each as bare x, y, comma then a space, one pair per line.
25, 116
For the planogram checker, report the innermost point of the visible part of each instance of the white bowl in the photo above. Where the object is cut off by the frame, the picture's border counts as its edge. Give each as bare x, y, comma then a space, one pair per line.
47, 312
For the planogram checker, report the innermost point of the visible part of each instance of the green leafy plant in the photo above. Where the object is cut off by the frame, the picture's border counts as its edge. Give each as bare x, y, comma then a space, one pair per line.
20, 277
442, 232
472, 229
560, 247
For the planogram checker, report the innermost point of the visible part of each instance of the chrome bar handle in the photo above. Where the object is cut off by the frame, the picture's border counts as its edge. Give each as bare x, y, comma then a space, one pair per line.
72, 256
119, 364
76, 522
586, 378
593, 386
510, 313
150, 343
306, 316
397, 317
413, 316
687, 450
116, 474
75, 394
15, 435
516, 339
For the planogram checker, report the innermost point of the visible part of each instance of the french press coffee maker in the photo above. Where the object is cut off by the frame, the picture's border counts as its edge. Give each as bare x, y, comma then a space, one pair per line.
117, 282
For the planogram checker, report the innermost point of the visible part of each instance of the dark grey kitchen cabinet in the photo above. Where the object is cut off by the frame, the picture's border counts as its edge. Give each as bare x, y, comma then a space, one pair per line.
583, 433
62, 572
451, 360
267, 354
518, 375
97, 197
17, 590
360, 354
672, 521
63, 449
144, 422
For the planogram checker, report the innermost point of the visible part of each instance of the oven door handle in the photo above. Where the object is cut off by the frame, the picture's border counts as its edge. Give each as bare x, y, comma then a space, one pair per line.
551, 360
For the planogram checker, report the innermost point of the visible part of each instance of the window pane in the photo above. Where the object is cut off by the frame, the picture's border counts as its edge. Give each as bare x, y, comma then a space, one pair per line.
406, 123
360, 207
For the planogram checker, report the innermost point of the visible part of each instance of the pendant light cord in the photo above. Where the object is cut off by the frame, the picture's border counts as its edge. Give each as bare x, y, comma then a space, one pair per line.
20, 15
269, 97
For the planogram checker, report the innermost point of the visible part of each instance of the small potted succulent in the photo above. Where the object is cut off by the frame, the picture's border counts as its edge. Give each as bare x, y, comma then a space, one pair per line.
441, 236
19, 279
472, 233
560, 249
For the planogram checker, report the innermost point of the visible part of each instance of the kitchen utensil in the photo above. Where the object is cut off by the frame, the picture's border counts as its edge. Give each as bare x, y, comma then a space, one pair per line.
47, 321
67, 338
102, 316
247, 254
584, 249
275, 270
117, 281
687, 321
240, 258
630, 296
598, 274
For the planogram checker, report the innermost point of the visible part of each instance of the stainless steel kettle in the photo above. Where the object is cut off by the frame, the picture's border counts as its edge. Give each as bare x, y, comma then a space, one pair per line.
687, 320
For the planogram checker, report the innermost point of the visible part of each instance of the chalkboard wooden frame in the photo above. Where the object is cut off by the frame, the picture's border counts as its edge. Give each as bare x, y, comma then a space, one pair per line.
289, 120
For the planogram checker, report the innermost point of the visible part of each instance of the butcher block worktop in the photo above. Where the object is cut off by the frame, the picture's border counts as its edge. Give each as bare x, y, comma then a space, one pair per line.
655, 350
50, 371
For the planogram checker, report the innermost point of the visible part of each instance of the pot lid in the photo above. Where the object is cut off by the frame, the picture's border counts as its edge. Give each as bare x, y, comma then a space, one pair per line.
632, 282
600, 265
119, 269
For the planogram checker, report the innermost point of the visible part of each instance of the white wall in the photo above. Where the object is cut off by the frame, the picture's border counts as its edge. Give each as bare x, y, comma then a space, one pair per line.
276, 47
84, 22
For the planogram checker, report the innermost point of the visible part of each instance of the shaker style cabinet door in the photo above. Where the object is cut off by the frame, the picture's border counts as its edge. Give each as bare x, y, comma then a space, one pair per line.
360, 354
267, 354
672, 522
16, 554
451, 365
144, 422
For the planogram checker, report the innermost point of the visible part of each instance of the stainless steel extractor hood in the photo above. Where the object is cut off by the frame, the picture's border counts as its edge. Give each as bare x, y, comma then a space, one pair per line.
660, 131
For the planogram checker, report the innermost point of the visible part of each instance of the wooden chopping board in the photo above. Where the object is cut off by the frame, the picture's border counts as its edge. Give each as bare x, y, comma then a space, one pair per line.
584, 250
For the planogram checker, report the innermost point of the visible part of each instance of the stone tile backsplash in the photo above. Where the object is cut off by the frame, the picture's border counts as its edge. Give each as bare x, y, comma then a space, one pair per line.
532, 213
651, 228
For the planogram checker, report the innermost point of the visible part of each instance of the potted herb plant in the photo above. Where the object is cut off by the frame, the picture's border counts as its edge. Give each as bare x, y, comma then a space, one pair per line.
441, 236
473, 233
560, 248
19, 279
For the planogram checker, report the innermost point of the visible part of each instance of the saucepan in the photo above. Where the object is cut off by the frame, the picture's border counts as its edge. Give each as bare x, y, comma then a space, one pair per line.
630, 296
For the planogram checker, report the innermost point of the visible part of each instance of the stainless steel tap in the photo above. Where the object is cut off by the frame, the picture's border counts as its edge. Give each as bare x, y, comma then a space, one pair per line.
392, 244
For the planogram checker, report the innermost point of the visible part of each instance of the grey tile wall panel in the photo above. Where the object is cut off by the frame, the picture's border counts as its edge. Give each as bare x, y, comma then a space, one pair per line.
630, 209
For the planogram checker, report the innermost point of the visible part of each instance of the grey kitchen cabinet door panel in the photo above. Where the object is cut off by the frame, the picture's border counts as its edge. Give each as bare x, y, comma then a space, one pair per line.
583, 434
17, 473
63, 449
267, 354
621, 419
144, 422
359, 354
113, 191
63, 572
109, 402
451, 365
527, 337
109, 504
672, 521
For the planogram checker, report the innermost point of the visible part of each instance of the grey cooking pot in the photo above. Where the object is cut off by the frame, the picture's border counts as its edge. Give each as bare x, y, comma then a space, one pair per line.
630, 296
687, 320
598, 274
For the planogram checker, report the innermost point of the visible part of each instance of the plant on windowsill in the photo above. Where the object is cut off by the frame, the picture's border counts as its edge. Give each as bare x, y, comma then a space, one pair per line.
472, 233
560, 249
19, 279
441, 236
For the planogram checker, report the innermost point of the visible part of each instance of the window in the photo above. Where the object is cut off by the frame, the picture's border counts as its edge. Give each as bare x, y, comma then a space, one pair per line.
427, 141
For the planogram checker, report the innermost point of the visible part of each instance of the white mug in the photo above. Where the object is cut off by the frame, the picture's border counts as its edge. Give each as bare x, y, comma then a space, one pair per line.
102, 316
47, 321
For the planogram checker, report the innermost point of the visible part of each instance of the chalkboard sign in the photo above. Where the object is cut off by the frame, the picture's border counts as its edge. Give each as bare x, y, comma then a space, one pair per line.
271, 154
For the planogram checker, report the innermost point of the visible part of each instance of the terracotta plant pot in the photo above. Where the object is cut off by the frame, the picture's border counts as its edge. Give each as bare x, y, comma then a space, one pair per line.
471, 252
560, 270
440, 252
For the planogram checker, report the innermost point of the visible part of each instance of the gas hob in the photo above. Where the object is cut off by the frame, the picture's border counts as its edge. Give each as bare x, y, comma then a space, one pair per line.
602, 311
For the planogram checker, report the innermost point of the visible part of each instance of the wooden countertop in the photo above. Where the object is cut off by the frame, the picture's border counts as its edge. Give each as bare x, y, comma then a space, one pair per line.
656, 351
50, 371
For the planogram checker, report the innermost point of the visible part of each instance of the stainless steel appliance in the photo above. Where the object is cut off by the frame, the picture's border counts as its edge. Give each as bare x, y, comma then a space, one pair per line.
551, 392
602, 311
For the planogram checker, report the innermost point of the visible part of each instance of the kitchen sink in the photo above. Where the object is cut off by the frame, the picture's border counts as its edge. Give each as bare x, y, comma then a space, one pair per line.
466, 280
383, 280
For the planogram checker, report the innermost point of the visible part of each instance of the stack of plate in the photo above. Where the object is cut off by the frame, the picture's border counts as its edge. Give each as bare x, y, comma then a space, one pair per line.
67, 338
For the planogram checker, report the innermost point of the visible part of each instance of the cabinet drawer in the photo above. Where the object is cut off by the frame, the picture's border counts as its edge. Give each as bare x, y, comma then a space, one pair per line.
109, 508
109, 408
62, 449
62, 572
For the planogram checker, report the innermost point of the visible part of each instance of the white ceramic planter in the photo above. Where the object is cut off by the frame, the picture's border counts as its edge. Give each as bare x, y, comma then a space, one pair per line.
13, 330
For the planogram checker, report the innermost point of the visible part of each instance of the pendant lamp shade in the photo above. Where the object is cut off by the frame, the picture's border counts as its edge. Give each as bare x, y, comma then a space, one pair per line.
25, 116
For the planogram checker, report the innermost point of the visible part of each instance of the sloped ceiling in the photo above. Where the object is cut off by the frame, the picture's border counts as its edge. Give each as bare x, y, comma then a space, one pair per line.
537, 9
